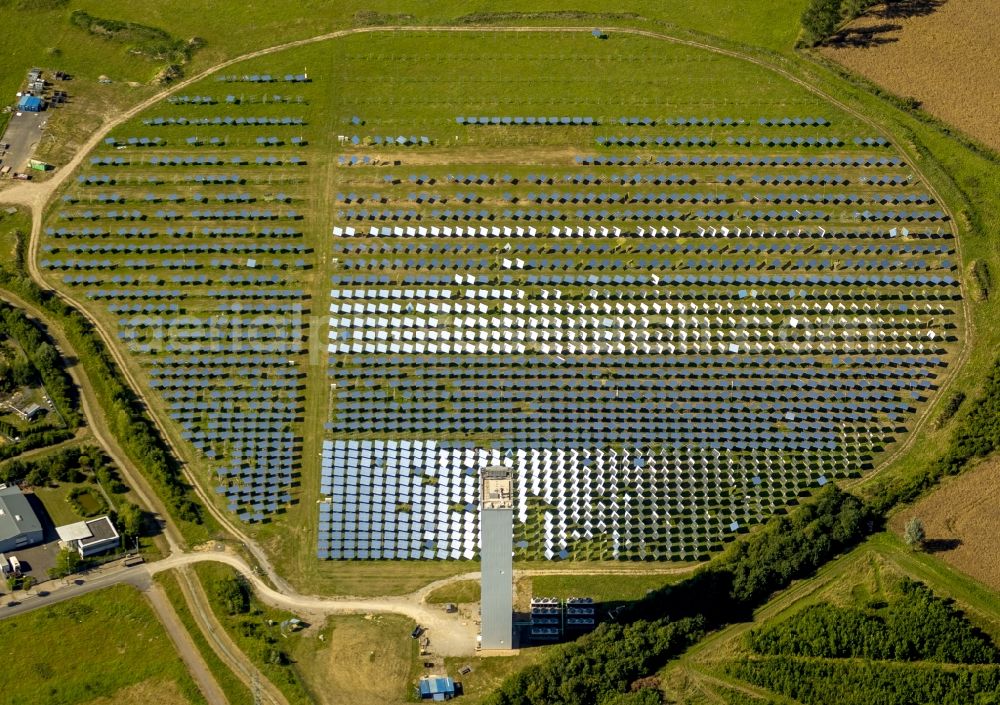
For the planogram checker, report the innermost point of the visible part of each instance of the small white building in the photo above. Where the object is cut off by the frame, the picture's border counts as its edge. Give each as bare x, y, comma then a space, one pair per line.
90, 537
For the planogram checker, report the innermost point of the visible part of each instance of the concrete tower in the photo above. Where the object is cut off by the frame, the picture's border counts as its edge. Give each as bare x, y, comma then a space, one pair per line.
496, 537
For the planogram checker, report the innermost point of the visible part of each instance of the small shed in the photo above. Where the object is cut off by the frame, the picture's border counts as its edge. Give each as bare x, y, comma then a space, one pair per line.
436, 688
30, 104
28, 413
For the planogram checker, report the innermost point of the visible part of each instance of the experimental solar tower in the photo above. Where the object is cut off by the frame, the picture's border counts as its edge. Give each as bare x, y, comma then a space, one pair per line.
496, 536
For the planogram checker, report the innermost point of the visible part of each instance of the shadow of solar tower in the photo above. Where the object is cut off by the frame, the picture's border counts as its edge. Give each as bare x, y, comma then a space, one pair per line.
496, 518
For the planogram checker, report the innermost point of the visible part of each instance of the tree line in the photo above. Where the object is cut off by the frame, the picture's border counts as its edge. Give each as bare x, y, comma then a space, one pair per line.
856, 682
32, 441
600, 667
64, 465
125, 413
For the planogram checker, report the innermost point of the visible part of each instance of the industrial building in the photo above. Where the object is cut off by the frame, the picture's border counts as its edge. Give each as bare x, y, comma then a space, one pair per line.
554, 620
496, 532
579, 615
90, 537
546, 618
19, 525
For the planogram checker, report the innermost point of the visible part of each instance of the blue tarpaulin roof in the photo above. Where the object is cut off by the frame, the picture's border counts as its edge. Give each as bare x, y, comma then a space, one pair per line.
30, 103
437, 688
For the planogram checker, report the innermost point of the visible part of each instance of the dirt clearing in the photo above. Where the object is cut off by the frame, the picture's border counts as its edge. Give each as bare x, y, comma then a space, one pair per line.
945, 54
361, 660
961, 520
161, 692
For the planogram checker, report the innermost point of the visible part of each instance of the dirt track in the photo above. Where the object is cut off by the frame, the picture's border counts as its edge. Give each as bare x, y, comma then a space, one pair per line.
948, 58
188, 652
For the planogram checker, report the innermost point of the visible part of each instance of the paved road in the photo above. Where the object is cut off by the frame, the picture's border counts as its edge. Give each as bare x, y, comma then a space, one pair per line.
55, 591
23, 133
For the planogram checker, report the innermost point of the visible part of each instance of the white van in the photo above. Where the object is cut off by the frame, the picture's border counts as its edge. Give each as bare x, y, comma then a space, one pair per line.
15, 566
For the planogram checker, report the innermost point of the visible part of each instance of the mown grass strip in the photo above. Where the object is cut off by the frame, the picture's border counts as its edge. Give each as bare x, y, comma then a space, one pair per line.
236, 691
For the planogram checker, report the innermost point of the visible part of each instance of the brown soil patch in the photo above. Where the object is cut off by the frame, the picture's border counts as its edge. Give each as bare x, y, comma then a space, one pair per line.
961, 520
161, 692
944, 53
362, 660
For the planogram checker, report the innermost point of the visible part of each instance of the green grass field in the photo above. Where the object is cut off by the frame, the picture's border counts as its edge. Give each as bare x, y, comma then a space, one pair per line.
47, 39
691, 83
461, 591
385, 79
237, 693
363, 659
91, 647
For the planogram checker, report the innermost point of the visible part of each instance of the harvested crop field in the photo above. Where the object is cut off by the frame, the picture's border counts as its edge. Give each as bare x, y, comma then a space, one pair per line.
961, 520
944, 53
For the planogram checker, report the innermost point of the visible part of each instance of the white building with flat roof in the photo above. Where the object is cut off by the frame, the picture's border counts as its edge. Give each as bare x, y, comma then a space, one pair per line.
90, 537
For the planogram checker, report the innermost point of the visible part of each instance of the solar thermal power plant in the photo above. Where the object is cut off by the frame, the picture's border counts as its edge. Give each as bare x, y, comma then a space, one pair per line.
668, 304
496, 516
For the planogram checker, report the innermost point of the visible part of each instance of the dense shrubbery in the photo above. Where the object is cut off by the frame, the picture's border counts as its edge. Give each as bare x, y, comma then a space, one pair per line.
595, 668
149, 42
16, 373
821, 18
44, 361
869, 683
233, 594
917, 627
950, 407
66, 465
32, 441
125, 413
980, 280
786, 548
600, 667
